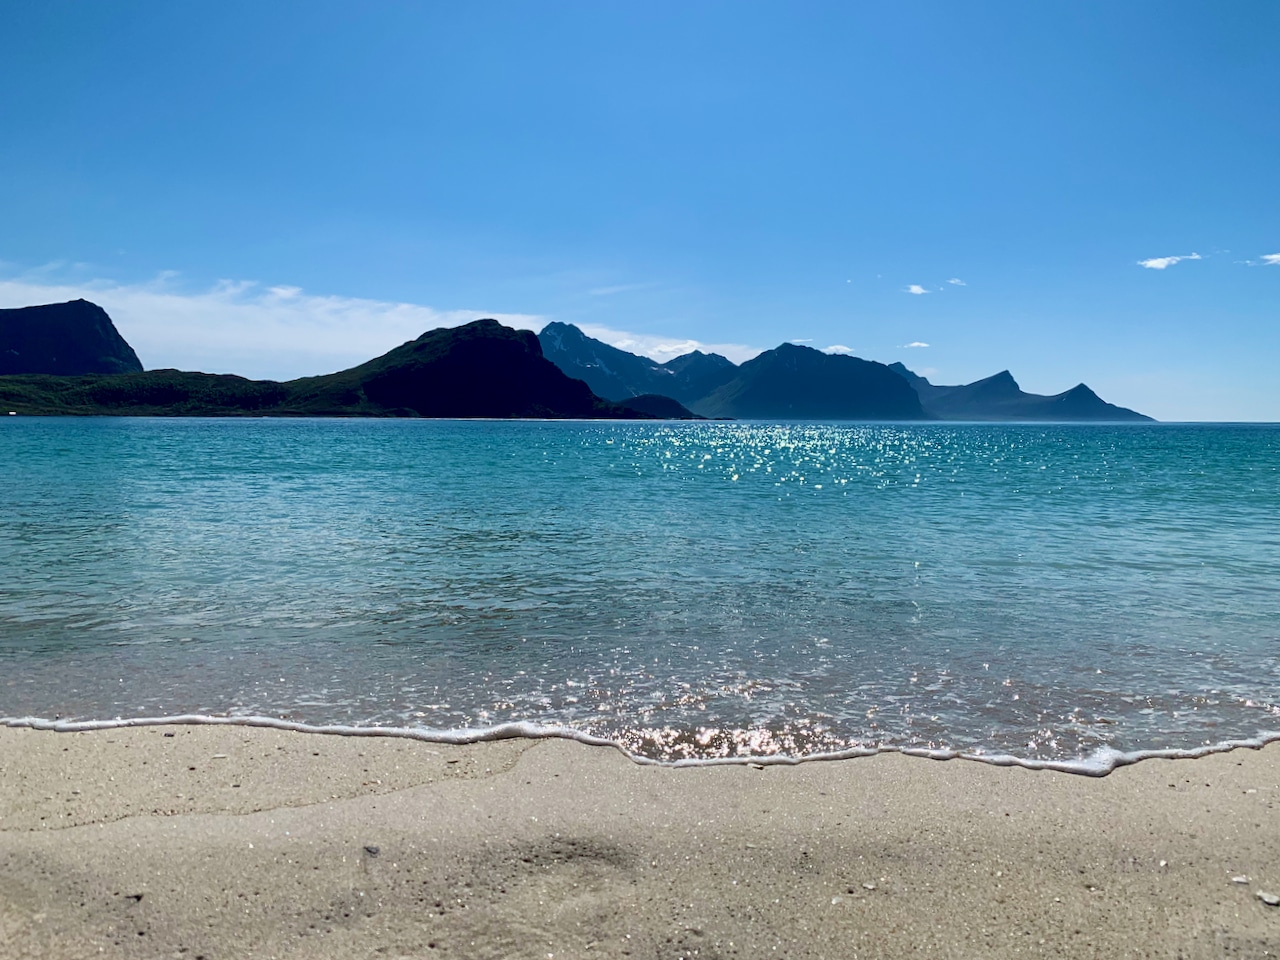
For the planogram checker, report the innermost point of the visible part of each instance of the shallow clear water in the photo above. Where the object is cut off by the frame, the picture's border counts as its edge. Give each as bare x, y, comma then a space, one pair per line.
685, 590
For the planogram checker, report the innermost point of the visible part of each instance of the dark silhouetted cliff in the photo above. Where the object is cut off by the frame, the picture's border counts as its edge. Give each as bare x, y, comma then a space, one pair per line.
65, 339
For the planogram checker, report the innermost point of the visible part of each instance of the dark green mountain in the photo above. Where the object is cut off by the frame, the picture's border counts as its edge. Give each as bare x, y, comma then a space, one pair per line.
798, 382
482, 369
618, 375
1000, 398
66, 339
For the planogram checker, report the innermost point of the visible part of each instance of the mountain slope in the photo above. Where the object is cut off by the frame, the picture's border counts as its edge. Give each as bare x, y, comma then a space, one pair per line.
65, 339
610, 373
792, 381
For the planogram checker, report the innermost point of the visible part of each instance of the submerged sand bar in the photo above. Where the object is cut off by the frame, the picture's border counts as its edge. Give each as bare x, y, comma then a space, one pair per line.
235, 842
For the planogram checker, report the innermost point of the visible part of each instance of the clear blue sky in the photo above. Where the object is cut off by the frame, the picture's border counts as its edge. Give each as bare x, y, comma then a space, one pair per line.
276, 188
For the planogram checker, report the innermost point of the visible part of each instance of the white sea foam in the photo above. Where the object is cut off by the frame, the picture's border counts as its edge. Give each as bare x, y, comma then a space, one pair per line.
1098, 764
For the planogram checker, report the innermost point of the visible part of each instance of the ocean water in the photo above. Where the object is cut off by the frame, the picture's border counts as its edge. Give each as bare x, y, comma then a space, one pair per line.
1067, 595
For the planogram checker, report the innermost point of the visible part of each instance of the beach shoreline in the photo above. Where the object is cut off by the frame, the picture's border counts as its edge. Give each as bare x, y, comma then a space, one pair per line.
231, 841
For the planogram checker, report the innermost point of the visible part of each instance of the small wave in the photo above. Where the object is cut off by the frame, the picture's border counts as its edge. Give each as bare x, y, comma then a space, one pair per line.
147, 642
1098, 764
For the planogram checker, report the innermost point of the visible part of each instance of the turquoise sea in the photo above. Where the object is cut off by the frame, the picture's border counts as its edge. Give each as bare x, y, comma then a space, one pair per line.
1076, 595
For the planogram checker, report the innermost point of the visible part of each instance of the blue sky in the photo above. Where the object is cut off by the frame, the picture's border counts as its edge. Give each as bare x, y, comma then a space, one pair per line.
280, 189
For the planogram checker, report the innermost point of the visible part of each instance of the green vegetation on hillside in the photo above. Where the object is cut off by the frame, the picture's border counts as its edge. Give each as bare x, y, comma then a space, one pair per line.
481, 369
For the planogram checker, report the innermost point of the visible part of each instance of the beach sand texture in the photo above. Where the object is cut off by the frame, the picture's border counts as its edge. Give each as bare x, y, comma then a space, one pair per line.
235, 842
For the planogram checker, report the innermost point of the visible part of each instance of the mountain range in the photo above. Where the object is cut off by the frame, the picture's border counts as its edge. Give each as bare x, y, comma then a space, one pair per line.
70, 359
793, 381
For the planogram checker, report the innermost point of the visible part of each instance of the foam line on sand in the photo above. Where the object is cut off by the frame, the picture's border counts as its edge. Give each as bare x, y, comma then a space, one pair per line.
1098, 764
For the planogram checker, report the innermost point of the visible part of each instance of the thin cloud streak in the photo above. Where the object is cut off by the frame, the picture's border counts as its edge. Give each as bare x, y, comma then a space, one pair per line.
1271, 259
913, 345
957, 282
618, 288
663, 349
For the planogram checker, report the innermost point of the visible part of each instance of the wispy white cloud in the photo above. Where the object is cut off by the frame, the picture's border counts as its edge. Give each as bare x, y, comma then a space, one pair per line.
838, 348
801, 340
915, 288
914, 344
957, 282
663, 349
1162, 263
618, 288
1271, 259
242, 327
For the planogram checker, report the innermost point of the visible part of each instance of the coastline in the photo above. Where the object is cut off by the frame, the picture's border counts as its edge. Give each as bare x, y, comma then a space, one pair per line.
233, 841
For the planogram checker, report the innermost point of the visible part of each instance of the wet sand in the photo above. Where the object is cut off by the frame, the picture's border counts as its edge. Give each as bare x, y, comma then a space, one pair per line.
230, 842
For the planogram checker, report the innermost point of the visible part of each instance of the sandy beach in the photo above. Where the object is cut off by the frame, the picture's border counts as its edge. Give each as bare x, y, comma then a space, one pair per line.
232, 842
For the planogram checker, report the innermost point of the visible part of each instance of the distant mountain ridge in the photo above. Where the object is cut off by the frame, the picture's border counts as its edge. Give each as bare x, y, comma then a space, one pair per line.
1000, 398
64, 339
793, 381
618, 375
